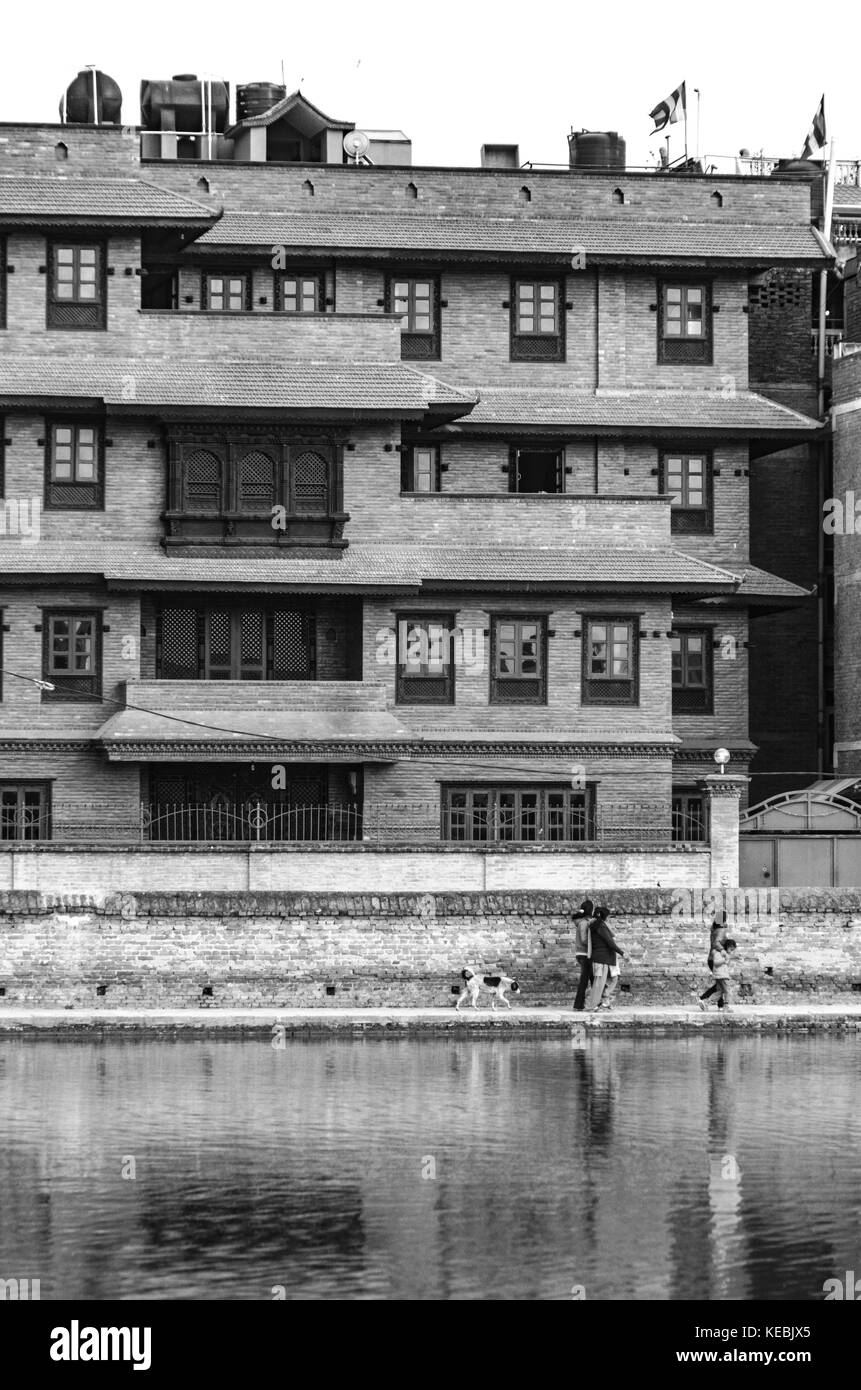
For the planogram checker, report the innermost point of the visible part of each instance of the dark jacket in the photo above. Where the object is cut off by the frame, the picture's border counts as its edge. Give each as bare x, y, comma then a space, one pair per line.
604, 948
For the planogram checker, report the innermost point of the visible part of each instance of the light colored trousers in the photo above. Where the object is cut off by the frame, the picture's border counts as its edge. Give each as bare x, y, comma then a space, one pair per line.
603, 987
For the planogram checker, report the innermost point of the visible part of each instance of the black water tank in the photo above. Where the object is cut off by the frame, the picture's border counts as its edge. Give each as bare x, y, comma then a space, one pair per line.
184, 95
254, 98
596, 149
92, 98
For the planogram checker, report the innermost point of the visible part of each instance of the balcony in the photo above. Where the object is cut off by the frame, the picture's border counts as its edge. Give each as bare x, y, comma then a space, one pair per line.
833, 342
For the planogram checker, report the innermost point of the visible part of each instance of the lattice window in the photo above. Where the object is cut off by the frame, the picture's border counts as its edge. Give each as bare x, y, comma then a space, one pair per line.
780, 291
203, 481
178, 648
218, 627
310, 481
251, 641
307, 789
256, 475
292, 645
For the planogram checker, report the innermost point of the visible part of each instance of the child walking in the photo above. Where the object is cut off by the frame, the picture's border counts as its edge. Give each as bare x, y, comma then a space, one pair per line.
719, 959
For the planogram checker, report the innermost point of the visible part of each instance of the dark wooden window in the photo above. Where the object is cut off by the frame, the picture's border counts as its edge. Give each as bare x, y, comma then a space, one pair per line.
226, 291
420, 468
518, 662
692, 670
519, 812
417, 299
160, 287
425, 671
235, 644
688, 477
684, 322
77, 285
610, 661
25, 810
74, 467
536, 470
689, 815
72, 654
253, 488
2, 282
299, 293
537, 320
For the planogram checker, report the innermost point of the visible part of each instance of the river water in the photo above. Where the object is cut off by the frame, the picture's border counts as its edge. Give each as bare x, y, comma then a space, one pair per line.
615, 1168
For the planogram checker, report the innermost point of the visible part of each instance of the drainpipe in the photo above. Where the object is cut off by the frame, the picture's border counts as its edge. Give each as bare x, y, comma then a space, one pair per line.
823, 445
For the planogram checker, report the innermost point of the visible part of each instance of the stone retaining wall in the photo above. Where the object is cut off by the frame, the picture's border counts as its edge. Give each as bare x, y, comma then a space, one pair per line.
291, 950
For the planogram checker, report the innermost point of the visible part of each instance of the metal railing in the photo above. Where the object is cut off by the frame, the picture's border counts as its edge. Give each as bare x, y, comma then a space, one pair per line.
622, 824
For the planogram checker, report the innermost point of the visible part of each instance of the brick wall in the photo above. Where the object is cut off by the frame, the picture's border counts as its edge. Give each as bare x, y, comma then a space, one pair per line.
847, 563
264, 949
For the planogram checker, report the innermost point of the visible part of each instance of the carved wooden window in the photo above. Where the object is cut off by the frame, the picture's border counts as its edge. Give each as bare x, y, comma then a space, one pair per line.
416, 298
309, 480
516, 813
299, 293
257, 481
228, 643
72, 655
77, 285
420, 468
692, 670
74, 466
610, 661
227, 292
688, 477
203, 477
518, 661
537, 321
425, 672
684, 322
25, 810
2, 282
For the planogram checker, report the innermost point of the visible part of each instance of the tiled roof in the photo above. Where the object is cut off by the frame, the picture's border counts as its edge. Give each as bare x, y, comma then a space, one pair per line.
247, 383
656, 409
766, 243
239, 725
847, 195
381, 566
114, 200
757, 583
285, 106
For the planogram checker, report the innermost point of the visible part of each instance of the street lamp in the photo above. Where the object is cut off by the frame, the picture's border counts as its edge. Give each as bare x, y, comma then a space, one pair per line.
722, 758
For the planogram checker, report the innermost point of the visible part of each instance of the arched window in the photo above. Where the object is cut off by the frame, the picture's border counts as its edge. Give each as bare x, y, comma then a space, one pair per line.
618, 195
310, 482
203, 481
203, 184
308, 188
717, 199
256, 481
61, 151
411, 190
525, 194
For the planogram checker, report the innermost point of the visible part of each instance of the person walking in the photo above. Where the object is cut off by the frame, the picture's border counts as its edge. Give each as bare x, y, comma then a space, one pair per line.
583, 950
604, 953
719, 959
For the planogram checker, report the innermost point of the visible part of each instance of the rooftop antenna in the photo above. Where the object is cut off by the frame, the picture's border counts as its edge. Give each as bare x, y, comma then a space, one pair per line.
283, 83
356, 144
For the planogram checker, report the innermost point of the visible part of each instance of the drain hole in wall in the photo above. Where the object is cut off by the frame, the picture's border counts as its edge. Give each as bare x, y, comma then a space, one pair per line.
207, 991
455, 989
626, 989
856, 987
101, 989
769, 970
330, 989
2, 992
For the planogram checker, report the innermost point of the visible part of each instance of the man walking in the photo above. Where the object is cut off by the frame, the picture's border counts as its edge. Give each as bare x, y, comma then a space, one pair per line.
604, 953
583, 950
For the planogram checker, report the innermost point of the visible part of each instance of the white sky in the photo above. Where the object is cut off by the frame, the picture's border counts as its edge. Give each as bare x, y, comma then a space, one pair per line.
455, 75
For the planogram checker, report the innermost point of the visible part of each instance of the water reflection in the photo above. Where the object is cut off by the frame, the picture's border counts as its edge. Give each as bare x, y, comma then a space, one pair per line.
505, 1169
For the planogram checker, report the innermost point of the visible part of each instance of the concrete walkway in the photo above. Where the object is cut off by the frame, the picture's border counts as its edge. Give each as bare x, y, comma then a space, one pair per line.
797, 1017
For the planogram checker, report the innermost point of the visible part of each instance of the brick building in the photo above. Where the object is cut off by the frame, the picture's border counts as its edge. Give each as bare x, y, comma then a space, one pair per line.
360, 498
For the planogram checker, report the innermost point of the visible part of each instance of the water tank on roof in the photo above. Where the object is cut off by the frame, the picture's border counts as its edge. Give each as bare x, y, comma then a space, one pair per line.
92, 98
596, 149
190, 103
254, 98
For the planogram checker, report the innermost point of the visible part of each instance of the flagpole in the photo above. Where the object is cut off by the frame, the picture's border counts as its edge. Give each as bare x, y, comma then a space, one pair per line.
685, 112
823, 277
697, 155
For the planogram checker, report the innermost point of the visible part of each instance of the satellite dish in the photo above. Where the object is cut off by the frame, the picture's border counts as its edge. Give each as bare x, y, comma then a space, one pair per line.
356, 144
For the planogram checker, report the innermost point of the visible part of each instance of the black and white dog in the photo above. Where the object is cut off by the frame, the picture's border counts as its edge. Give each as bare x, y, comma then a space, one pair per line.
494, 985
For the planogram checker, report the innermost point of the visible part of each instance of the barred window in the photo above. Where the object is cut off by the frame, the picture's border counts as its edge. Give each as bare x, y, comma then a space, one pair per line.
25, 810
690, 816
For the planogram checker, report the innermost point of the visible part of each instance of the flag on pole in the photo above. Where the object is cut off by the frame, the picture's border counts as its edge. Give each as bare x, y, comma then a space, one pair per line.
816, 137
667, 112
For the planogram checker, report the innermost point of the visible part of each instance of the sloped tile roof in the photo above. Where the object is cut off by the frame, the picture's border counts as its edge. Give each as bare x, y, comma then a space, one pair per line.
764, 243
757, 583
246, 383
655, 409
367, 565
847, 195
285, 106
114, 200
238, 726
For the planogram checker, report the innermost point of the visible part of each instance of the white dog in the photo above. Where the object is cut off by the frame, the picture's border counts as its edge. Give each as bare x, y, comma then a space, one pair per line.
494, 985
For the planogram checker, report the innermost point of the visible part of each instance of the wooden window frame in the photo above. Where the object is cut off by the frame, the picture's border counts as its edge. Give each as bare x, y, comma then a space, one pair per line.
202, 623
319, 278
534, 688
417, 345
408, 469
685, 349
611, 690
514, 452
578, 808
682, 798
3, 282
20, 785
535, 345
684, 518
406, 682
56, 487
77, 315
689, 698
71, 688
208, 274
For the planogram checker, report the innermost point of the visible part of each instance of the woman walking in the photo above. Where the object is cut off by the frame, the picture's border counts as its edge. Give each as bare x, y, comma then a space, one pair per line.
604, 953
583, 950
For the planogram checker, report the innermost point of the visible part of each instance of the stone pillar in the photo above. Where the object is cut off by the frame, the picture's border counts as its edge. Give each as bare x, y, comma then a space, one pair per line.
724, 793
